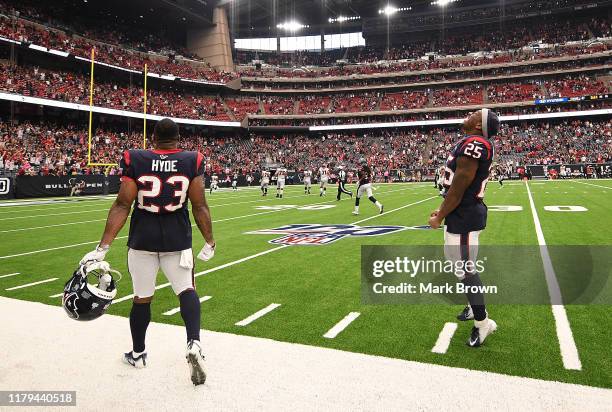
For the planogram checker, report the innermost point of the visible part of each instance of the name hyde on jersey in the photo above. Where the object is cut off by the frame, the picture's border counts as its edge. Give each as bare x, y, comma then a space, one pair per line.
163, 165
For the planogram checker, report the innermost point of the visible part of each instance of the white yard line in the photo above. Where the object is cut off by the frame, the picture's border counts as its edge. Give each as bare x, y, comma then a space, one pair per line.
33, 252
57, 295
48, 226
258, 314
9, 275
393, 210
177, 310
444, 339
594, 185
340, 326
88, 204
54, 207
103, 220
44, 201
569, 351
27, 285
54, 214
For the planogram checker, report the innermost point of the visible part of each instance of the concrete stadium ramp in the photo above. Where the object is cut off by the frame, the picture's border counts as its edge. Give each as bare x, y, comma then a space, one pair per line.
42, 349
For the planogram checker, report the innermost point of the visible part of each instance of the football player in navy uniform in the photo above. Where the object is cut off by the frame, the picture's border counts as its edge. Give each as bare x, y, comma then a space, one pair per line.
365, 187
464, 212
160, 183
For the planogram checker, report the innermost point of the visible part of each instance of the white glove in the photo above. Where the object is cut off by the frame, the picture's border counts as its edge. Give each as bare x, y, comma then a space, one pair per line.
207, 252
97, 255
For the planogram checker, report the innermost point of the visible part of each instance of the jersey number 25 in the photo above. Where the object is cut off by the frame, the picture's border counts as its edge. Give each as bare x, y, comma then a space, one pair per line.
473, 151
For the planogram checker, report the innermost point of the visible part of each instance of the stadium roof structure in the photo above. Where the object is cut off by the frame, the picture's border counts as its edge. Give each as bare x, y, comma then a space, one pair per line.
166, 15
256, 18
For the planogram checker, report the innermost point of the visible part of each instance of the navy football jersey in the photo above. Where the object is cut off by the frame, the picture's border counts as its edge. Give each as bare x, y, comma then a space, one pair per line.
471, 214
160, 219
365, 175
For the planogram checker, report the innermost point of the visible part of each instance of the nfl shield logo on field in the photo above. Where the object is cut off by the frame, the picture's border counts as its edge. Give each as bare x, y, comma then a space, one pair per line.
307, 239
316, 234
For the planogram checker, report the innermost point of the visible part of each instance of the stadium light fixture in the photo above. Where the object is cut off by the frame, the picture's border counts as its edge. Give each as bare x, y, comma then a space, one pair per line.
342, 19
292, 26
443, 3
390, 10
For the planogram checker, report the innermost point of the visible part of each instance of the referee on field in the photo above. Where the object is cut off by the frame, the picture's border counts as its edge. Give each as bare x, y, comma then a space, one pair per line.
342, 183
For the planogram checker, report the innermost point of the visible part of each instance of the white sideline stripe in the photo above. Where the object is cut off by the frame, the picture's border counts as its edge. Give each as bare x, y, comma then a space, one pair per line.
54, 206
44, 201
393, 210
258, 314
216, 268
54, 248
177, 310
444, 339
27, 285
54, 214
340, 326
569, 351
102, 220
57, 295
48, 226
10, 274
107, 200
592, 184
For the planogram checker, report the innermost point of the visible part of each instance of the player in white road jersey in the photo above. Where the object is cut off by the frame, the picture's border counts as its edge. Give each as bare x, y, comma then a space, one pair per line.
281, 175
214, 183
265, 182
323, 179
307, 181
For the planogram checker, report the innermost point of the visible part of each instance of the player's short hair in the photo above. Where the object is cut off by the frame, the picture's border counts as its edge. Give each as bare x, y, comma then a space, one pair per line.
166, 130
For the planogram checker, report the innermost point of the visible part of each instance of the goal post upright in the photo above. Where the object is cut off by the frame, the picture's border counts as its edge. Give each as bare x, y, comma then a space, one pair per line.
90, 132
91, 91
144, 110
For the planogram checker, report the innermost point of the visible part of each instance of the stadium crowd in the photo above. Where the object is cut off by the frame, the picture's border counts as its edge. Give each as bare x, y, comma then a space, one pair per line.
384, 117
73, 88
543, 143
55, 149
187, 103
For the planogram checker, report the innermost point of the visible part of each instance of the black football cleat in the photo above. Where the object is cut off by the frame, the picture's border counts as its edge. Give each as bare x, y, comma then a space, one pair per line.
480, 331
466, 314
138, 362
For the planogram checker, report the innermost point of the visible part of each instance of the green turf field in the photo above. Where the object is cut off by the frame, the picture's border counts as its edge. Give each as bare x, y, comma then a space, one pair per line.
317, 286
